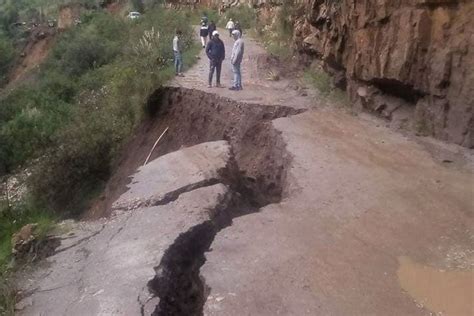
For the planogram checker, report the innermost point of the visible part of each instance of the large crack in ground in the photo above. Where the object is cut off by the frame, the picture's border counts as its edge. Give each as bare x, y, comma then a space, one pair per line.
195, 117
257, 179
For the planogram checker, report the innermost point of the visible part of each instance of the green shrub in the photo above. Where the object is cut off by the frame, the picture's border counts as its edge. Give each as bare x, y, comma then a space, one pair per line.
12, 218
79, 165
109, 106
9, 14
320, 79
88, 48
58, 84
7, 53
35, 116
283, 52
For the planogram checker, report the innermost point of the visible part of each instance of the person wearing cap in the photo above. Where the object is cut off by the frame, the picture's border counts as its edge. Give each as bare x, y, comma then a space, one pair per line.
215, 51
203, 33
230, 27
236, 60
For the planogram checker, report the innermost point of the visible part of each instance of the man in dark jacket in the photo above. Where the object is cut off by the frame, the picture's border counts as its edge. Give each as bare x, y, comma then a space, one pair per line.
238, 27
215, 50
212, 28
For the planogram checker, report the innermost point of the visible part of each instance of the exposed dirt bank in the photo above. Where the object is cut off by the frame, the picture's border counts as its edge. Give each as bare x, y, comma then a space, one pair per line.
195, 117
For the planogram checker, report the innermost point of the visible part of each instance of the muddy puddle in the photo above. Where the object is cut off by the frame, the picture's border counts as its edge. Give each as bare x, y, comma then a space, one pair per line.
443, 292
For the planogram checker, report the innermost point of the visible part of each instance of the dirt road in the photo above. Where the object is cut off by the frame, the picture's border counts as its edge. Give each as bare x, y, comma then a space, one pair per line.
257, 68
315, 213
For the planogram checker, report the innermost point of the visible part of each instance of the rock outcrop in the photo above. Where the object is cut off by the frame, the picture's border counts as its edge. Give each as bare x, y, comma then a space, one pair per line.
421, 52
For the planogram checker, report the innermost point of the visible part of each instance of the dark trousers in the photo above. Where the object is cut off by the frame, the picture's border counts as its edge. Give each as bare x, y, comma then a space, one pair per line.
217, 66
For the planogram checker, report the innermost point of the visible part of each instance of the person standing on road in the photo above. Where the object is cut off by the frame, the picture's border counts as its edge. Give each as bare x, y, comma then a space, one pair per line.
215, 50
230, 27
204, 32
211, 29
177, 50
238, 28
236, 60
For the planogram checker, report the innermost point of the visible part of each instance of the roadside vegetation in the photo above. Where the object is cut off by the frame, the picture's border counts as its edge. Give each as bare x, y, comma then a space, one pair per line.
321, 80
7, 53
67, 125
278, 33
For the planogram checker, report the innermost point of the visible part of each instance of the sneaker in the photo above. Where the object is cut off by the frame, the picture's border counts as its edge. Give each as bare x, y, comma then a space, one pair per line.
233, 88
181, 75
209, 86
218, 85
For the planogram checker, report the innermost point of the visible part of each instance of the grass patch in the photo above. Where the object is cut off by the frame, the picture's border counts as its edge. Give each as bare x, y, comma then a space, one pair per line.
283, 52
340, 97
321, 80
13, 218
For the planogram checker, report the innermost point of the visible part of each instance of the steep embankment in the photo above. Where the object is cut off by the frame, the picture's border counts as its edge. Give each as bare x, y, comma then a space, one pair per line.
405, 60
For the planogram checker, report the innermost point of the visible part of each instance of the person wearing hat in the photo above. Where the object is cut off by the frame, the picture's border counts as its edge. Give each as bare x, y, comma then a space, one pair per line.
236, 60
215, 51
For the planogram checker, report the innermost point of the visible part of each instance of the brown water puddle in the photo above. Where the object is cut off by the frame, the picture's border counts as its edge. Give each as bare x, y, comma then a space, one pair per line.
448, 292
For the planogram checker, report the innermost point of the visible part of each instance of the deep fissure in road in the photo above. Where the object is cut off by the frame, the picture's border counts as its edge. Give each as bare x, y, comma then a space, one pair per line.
255, 177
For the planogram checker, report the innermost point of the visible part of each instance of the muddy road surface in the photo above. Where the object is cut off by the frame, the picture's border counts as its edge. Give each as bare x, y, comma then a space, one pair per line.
265, 202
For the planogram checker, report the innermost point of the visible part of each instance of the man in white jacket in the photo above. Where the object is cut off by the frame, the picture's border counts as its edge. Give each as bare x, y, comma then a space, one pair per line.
230, 26
236, 60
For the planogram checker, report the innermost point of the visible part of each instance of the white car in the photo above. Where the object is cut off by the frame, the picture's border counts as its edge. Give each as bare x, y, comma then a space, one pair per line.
133, 15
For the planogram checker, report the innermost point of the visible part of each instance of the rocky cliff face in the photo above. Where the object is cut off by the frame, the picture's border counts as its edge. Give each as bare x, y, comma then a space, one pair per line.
399, 54
405, 59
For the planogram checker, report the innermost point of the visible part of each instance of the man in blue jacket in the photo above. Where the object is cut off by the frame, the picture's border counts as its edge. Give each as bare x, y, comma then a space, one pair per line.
236, 60
215, 51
